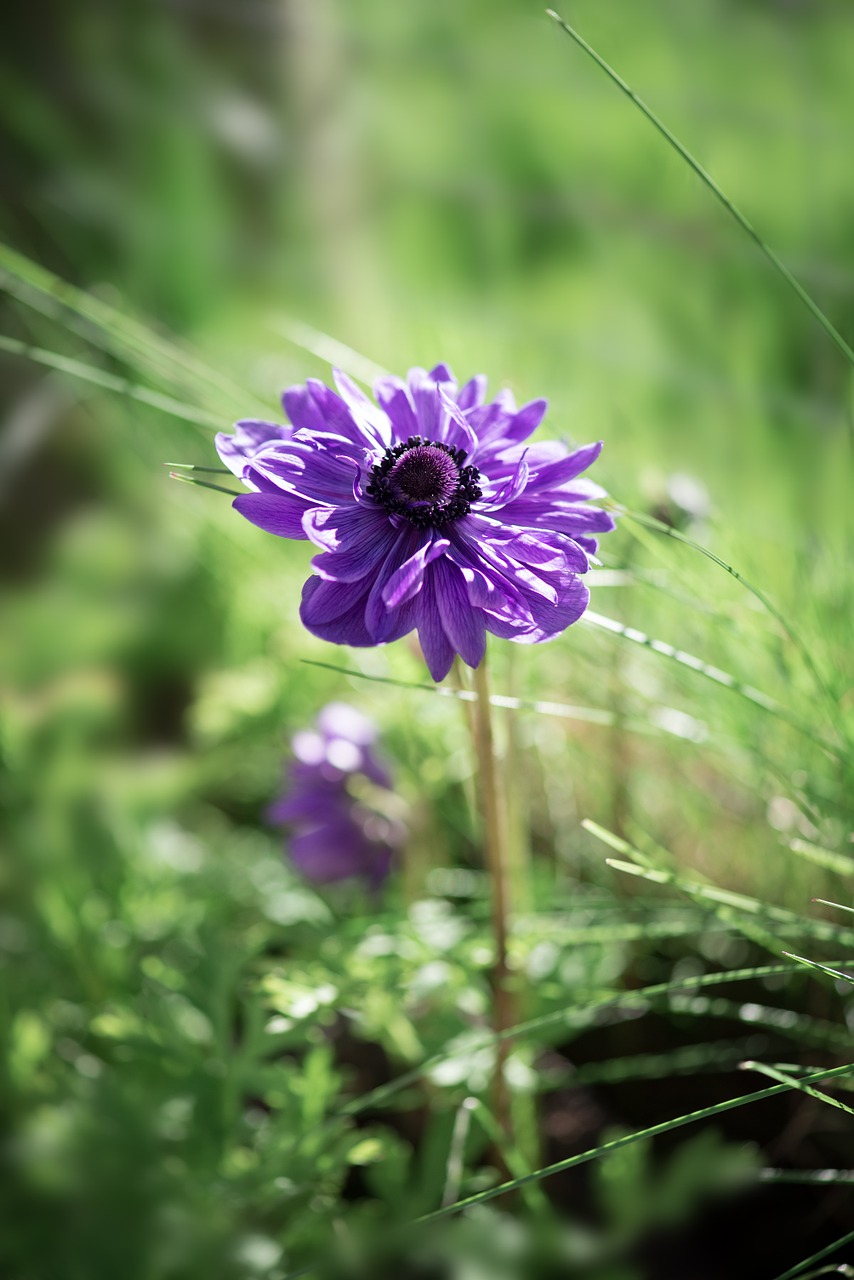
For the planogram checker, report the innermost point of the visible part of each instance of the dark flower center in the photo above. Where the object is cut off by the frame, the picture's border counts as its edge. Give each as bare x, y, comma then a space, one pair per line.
425, 481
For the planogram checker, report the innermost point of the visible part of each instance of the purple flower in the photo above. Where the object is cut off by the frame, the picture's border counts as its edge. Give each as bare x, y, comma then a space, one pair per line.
431, 512
335, 833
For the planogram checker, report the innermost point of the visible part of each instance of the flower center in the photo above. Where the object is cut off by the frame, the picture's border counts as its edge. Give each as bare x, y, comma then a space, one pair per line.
425, 481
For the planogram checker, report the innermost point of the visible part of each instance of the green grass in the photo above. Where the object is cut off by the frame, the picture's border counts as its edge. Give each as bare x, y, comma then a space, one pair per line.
213, 1069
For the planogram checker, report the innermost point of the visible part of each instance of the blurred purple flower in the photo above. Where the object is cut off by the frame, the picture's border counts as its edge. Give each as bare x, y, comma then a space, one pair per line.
335, 834
430, 510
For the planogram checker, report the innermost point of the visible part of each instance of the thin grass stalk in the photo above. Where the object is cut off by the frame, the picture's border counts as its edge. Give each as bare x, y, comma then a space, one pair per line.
716, 191
625, 1140
101, 378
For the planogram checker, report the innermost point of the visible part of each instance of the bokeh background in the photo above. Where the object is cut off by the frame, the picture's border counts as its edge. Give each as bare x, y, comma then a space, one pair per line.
272, 186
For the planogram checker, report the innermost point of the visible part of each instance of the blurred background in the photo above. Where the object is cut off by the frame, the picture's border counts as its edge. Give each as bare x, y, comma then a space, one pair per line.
247, 192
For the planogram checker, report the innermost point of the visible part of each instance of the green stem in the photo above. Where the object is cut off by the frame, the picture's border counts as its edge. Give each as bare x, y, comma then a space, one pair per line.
716, 191
494, 830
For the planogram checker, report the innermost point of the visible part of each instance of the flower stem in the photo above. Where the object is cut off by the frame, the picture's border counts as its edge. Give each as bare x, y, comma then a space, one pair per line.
494, 831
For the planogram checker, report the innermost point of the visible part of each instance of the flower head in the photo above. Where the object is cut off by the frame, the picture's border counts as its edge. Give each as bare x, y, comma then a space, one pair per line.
335, 833
430, 509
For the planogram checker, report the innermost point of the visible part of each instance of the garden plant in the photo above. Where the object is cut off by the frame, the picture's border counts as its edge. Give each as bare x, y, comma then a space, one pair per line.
427, 801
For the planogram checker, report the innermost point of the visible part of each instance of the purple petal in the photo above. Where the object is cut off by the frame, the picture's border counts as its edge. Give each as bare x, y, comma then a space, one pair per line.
558, 473
372, 420
278, 513
330, 600
547, 550
551, 513
546, 620
458, 432
334, 851
249, 436
383, 623
473, 393
435, 645
406, 581
590, 545
526, 421
302, 410
500, 426
428, 407
340, 720
308, 470
505, 626
462, 624
354, 540
358, 560
510, 490
551, 619
367, 431
393, 396
489, 580
346, 627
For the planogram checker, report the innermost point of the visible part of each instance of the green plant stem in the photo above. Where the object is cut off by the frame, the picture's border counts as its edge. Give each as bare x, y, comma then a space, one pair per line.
716, 191
494, 831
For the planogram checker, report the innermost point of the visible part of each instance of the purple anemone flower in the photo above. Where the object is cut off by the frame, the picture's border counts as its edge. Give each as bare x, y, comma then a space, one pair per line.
335, 833
430, 509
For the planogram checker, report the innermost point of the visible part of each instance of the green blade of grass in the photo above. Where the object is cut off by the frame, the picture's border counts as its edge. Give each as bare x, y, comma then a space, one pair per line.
589, 715
815, 1177
766, 1069
711, 893
800, 1268
204, 484
709, 181
625, 1140
110, 327
738, 902
695, 1059
532, 1194
639, 998
109, 382
822, 968
702, 668
829, 858
194, 466
659, 526
456, 1154
840, 906
799, 1027
328, 349
832, 1269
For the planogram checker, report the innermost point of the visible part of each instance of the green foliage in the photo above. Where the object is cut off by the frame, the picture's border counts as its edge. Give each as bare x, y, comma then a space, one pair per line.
212, 1069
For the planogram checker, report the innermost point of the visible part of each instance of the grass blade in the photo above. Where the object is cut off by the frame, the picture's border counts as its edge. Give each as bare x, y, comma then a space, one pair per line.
110, 382
625, 1140
715, 674
109, 327
659, 526
814, 1177
828, 858
765, 1069
738, 901
639, 998
800, 1268
716, 191
328, 349
822, 968
203, 484
566, 711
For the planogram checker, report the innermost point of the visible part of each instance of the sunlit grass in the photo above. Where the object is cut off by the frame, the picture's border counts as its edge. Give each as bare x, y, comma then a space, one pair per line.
287, 1067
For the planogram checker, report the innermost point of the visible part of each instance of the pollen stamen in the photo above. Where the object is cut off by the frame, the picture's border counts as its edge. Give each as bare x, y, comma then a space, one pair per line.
425, 481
